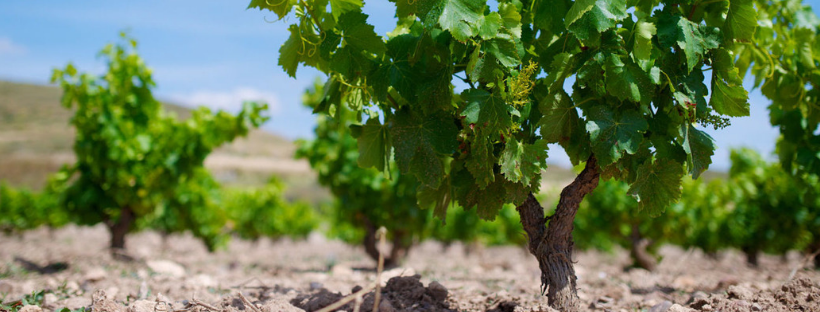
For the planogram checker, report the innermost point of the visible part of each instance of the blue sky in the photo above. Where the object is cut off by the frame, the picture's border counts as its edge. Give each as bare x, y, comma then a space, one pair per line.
216, 53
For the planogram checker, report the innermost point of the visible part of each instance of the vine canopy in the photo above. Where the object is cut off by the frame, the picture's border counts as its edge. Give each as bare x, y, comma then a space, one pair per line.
638, 96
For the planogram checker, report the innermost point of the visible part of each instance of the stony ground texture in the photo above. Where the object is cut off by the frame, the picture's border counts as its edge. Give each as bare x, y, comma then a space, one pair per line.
72, 269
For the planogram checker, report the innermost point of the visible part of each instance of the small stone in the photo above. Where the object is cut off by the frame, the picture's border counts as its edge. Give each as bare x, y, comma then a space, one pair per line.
6, 287
30, 308
101, 303
341, 270
437, 291
95, 274
49, 299
706, 307
356, 289
142, 306
661, 307
740, 292
386, 306
74, 303
679, 308
166, 267
756, 307
72, 286
315, 285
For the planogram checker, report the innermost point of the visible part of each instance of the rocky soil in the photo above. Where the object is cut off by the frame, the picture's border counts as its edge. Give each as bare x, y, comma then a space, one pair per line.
71, 268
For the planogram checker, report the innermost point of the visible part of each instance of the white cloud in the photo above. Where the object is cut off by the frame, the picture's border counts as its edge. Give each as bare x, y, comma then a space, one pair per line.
229, 101
8, 47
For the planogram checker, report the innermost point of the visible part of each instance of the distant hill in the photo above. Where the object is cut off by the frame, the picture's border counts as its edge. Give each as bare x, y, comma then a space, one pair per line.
36, 140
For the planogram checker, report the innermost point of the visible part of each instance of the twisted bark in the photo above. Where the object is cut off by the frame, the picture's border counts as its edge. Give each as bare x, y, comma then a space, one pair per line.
552, 245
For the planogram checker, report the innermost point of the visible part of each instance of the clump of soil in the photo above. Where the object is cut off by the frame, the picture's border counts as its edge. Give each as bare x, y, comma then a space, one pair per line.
402, 293
801, 294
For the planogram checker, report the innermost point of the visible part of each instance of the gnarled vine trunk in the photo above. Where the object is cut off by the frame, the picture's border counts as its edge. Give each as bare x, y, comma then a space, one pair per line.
552, 245
398, 251
118, 229
640, 251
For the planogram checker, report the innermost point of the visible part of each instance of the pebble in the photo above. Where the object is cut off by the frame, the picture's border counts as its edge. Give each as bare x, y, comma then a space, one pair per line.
166, 267
386, 306
679, 308
740, 292
142, 306
661, 307
437, 291
95, 274
6, 287
30, 308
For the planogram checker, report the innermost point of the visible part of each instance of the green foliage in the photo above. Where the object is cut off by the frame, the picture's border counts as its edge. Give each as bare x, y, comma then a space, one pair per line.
769, 213
22, 209
134, 159
264, 212
365, 198
639, 87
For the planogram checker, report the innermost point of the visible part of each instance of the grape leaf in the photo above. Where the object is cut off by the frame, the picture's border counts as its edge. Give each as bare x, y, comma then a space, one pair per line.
460, 18
487, 111
521, 162
339, 7
728, 97
503, 48
612, 135
511, 18
489, 25
548, 15
418, 140
418, 8
359, 35
695, 40
374, 150
642, 48
481, 159
560, 118
281, 7
699, 147
741, 21
289, 51
657, 185
595, 19
628, 81
438, 198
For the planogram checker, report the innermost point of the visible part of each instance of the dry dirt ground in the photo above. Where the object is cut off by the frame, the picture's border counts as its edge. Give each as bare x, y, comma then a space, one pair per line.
178, 274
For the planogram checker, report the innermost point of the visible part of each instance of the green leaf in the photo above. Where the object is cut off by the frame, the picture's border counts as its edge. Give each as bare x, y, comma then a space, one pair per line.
595, 19
613, 135
741, 21
460, 18
560, 118
419, 8
489, 25
280, 7
511, 17
548, 15
418, 141
487, 201
359, 35
521, 162
728, 95
503, 48
628, 81
481, 159
374, 150
487, 111
642, 49
699, 147
290, 50
339, 7
695, 40
439, 198
657, 186
578, 9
